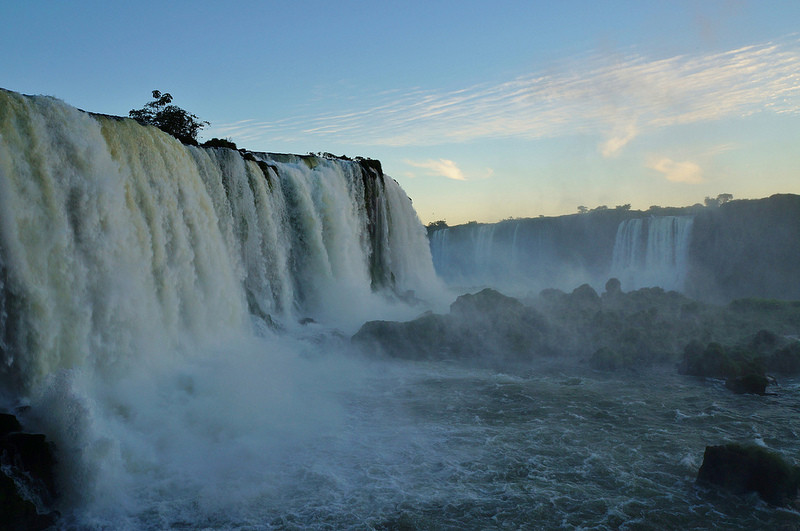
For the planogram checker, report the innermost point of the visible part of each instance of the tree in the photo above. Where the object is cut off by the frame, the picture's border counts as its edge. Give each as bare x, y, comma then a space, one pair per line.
436, 225
169, 118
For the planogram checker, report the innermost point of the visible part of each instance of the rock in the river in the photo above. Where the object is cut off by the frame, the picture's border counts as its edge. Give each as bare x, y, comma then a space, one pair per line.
749, 468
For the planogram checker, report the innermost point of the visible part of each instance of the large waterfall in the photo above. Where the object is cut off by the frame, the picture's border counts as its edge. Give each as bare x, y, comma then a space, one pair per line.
114, 237
151, 296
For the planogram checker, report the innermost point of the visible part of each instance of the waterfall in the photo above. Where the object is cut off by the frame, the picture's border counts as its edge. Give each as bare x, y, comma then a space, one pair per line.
117, 241
652, 252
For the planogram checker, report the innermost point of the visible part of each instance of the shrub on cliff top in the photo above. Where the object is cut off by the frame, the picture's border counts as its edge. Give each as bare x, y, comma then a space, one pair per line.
169, 118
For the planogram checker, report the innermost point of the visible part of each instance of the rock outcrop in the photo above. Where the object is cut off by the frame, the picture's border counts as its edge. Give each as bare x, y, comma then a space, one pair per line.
749, 468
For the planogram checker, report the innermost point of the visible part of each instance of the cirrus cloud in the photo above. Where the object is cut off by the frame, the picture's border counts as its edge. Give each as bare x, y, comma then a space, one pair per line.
614, 97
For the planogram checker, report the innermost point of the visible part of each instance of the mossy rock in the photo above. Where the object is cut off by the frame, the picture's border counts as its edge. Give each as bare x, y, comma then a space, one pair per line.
749, 468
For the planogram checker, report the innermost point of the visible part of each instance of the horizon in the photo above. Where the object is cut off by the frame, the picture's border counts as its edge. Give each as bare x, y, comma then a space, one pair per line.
479, 113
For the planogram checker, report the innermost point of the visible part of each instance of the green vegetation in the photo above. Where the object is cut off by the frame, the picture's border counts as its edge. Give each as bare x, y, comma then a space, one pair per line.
219, 142
169, 118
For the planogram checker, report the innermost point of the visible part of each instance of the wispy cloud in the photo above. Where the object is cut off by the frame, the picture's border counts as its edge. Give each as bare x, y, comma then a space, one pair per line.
678, 172
618, 140
615, 98
439, 167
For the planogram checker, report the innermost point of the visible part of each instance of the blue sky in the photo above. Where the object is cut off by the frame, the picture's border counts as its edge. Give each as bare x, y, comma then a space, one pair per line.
480, 110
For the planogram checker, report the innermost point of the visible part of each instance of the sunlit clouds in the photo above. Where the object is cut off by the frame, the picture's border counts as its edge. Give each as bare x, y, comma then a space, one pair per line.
677, 172
616, 98
440, 167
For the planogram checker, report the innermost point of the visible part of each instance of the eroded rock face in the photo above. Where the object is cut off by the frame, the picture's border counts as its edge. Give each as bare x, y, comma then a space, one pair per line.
741, 469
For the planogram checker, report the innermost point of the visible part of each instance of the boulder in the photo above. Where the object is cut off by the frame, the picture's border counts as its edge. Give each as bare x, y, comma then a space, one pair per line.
749, 468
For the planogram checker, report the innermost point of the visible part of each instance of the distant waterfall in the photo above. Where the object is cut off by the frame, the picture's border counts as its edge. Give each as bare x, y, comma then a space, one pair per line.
117, 240
652, 252
522, 256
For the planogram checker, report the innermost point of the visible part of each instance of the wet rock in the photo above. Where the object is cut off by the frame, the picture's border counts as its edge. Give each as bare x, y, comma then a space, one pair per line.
749, 468
27, 484
17, 513
8, 424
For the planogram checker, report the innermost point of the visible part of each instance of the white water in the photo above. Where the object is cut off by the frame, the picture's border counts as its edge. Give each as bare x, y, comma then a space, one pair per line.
652, 252
140, 280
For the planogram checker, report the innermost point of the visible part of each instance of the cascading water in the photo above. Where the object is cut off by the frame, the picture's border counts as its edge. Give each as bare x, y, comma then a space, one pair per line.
652, 251
139, 280
110, 228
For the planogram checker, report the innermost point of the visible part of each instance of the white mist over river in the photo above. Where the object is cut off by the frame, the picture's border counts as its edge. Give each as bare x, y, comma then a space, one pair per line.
151, 296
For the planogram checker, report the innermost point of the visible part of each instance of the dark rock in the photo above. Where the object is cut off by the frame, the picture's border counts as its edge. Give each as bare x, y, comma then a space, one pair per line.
585, 298
755, 384
485, 327
741, 469
17, 513
31, 454
716, 361
8, 424
487, 304
427, 337
27, 477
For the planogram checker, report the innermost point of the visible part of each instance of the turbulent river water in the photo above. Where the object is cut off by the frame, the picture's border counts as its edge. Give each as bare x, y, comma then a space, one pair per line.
440, 446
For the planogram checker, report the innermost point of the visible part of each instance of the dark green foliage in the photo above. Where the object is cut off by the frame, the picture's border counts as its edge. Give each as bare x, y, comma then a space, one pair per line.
169, 118
219, 142
749, 468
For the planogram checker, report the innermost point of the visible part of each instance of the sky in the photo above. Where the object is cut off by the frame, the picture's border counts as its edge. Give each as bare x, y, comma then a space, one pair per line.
480, 110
